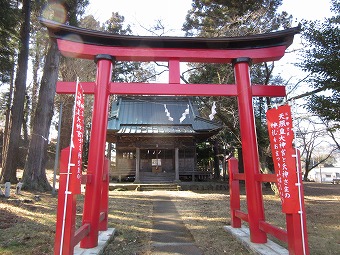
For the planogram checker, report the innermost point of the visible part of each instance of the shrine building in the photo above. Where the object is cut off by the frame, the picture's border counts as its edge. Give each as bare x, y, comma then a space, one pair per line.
155, 138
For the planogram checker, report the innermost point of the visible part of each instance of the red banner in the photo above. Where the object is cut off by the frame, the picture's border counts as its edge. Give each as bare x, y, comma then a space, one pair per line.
280, 128
77, 141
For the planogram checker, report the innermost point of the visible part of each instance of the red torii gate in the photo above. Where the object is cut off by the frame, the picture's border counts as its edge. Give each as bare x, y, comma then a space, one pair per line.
106, 48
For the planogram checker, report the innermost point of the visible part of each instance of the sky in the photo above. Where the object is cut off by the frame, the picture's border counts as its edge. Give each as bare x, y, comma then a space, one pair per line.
144, 13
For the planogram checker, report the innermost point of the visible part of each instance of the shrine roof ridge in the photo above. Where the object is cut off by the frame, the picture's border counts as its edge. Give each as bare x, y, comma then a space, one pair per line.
95, 37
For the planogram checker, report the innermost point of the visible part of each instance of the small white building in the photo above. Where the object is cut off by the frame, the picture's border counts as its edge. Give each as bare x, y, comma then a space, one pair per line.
325, 174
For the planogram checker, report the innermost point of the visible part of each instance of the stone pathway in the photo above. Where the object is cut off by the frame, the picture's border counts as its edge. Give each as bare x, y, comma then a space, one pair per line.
169, 234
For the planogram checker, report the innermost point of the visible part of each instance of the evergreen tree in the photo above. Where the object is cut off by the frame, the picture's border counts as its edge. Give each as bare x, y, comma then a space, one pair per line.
17, 111
9, 20
38, 51
68, 71
322, 60
34, 177
227, 19
9, 23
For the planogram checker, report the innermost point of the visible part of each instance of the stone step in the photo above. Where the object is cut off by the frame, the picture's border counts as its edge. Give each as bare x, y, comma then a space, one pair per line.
156, 177
156, 174
156, 181
150, 187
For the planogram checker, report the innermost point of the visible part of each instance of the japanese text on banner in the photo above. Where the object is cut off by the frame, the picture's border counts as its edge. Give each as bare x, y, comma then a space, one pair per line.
281, 142
77, 141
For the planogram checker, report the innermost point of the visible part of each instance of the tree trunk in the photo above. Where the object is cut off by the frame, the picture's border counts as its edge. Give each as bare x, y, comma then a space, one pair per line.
68, 70
11, 160
240, 160
25, 122
217, 171
7, 122
35, 85
34, 177
66, 120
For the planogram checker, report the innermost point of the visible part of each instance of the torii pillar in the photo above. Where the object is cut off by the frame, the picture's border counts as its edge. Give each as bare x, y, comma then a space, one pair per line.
97, 150
249, 149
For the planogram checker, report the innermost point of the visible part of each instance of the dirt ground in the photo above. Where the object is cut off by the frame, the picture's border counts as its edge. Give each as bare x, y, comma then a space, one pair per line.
27, 222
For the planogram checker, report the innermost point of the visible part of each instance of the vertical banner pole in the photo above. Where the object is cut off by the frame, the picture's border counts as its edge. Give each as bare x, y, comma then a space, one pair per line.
297, 225
65, 226
97, 150
68, 193
302, 211
249, 149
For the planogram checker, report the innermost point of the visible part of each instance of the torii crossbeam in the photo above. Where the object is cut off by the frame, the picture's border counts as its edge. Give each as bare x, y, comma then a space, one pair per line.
106, 48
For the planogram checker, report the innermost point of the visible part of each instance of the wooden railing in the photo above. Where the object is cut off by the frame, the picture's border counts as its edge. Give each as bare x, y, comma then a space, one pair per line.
292, 235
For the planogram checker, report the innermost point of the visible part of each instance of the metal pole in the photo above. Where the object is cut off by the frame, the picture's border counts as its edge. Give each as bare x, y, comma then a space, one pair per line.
320, 174
56, 160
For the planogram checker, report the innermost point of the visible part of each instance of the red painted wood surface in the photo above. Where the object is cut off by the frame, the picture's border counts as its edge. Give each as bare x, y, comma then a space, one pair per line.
63, 243
93, 193
250, 151
134, 88
104, 202
89, 51
234, 184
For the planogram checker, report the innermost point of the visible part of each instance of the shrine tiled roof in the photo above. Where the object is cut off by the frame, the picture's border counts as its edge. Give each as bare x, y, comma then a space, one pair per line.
158, 115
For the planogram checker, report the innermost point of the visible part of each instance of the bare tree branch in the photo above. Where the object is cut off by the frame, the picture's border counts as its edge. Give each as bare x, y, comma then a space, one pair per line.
310, 92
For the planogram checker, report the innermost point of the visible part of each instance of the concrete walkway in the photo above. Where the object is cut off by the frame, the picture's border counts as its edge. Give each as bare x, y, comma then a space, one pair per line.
103, 239
243, 235
169, 234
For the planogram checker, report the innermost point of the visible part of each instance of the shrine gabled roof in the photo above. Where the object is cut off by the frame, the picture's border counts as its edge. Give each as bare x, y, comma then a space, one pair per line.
157, 115
87, 36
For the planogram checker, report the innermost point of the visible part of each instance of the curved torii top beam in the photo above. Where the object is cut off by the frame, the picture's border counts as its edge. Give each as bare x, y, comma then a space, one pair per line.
85, 43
